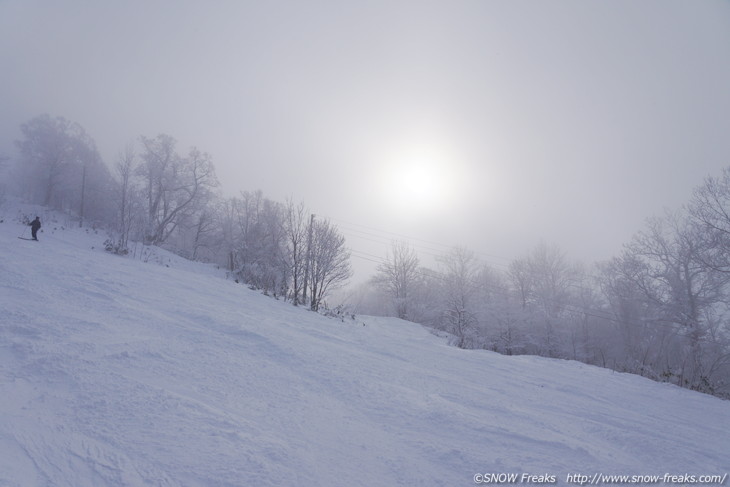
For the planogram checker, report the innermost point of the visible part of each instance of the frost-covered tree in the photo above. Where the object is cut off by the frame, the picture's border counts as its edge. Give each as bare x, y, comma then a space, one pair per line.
47, 155
459, 270
633, 340
499, 315
4, 159
551, 278
128, 204
175, 187
397, 276
710, 210
543, 284
259, 243
295, 227
521, 278
329, 265
59, 166
689, 299
202, 228
227, 218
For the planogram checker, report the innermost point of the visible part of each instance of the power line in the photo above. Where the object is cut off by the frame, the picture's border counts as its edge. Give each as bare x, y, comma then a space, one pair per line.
389, 236
392, 234
374, 237
379, 236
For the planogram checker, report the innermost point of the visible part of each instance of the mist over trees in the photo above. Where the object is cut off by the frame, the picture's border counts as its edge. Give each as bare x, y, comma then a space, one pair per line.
60, 167
658, 309
397, 276
158, 195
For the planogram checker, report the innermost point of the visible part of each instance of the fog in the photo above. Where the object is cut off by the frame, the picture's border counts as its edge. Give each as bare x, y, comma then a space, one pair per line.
493, 125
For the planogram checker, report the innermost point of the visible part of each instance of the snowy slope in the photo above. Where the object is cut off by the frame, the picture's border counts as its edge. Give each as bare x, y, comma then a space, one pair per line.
118, 372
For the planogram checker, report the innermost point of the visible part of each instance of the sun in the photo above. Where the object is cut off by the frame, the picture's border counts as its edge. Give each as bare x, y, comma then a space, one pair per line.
418, 179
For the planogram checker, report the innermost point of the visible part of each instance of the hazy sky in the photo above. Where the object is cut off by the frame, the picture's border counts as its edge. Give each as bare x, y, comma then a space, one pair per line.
490, 124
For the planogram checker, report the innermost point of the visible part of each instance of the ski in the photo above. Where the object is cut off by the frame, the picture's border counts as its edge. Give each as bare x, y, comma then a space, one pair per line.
31, 239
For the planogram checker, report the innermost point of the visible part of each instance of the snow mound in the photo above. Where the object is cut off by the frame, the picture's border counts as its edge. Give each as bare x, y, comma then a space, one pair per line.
115, 372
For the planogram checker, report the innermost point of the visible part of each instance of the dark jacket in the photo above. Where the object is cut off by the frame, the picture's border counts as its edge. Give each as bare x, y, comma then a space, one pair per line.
35, 225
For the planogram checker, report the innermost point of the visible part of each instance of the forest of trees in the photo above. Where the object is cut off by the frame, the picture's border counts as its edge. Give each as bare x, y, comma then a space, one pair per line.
155, 194
658, 309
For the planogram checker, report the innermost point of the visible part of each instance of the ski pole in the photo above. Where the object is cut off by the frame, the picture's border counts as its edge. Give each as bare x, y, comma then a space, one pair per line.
24, 230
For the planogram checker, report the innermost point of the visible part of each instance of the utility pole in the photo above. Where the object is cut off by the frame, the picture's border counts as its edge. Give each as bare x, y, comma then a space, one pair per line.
309, 257
83, 192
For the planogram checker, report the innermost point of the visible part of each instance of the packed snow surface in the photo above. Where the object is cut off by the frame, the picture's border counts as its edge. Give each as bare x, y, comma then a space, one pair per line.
119, 372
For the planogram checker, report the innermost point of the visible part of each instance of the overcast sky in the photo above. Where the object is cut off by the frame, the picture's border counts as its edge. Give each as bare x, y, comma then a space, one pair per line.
489, 124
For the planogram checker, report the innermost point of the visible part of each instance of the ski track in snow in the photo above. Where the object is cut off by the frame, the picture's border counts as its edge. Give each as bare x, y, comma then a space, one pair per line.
116, 372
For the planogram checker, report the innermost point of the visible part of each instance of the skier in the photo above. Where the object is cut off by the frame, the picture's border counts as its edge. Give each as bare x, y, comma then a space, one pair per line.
35, 225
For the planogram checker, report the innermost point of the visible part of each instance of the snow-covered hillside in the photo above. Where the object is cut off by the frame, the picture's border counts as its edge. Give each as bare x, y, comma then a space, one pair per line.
116, 372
